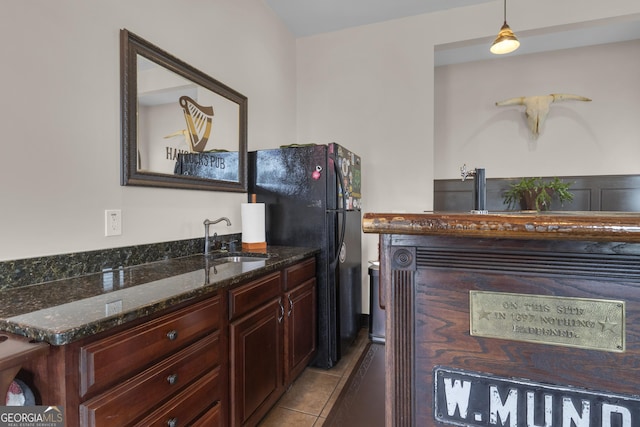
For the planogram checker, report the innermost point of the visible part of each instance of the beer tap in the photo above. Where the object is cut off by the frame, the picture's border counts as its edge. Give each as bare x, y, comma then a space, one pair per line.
479, 188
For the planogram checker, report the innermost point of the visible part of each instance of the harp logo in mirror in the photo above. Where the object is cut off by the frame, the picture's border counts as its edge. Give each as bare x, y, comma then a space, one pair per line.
198, 120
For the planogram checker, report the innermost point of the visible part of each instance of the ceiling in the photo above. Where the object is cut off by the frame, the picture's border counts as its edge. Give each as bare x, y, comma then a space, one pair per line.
310, 17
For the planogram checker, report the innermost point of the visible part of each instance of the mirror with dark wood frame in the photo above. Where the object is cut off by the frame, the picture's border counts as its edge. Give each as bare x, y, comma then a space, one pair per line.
180, 127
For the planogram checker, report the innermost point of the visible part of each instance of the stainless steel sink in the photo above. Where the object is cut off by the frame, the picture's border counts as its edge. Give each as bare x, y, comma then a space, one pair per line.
242, 258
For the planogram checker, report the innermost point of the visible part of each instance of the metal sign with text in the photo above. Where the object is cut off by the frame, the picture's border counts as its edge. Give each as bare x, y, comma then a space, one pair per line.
473, 399
588, 323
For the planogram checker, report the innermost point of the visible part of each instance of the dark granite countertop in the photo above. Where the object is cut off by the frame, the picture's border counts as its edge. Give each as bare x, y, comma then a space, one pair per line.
62, 311
563, 225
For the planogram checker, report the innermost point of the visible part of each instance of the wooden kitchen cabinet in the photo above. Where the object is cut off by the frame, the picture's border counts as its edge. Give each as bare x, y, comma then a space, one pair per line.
256, 363
188, 405
272, 337
212, 418
162, 372
150, 372
222, 360
300, 326
136, 396
255, 344
110, 360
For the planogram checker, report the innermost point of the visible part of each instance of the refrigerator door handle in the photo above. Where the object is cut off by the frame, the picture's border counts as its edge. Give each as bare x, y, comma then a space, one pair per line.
342, 210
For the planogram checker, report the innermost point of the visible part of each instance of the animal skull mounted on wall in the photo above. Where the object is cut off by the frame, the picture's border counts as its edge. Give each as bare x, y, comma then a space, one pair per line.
537, 107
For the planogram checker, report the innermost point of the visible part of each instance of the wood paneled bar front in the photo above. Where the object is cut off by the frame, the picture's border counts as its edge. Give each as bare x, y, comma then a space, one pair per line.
511, 319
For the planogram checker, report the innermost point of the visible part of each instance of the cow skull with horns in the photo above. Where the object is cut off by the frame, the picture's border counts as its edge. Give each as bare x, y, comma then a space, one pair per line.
537, 107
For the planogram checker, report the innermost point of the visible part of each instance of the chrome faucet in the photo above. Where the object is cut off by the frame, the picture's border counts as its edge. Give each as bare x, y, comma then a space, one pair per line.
207, 223
479, 188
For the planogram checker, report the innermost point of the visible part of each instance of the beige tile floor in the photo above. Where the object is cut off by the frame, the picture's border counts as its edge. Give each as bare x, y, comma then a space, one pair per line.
309, 400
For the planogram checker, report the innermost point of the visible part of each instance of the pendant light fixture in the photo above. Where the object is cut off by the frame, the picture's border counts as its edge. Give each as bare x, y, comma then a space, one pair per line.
506, 42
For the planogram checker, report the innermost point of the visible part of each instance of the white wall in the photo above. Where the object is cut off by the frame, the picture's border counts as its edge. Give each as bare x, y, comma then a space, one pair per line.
365, 89
371, 88
578, 138
60, 110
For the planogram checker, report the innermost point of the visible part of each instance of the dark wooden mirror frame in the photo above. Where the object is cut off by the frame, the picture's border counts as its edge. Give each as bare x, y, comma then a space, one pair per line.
131, 46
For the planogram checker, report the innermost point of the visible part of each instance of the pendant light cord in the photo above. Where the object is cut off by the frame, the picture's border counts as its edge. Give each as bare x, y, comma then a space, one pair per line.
505, 11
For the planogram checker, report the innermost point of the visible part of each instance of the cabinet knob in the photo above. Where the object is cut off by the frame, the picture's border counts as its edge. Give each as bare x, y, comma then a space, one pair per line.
172, 422
172, 335
172, 379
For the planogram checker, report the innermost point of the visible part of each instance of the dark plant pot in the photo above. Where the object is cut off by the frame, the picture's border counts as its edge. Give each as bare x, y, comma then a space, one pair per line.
528, 200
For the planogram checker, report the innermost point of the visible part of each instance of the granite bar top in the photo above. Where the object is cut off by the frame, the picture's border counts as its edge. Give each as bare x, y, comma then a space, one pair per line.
62, 311
594, 226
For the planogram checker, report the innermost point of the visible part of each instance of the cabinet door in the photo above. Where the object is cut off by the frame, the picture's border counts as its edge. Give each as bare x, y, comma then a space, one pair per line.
300, 328
256, 362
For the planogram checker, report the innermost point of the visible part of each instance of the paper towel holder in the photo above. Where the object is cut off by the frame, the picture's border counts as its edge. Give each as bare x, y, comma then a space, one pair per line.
254, 246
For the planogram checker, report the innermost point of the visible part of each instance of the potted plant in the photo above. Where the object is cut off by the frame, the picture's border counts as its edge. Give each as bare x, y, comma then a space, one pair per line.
536, 193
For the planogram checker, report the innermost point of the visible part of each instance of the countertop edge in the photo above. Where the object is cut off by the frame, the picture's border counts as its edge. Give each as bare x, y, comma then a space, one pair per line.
600, 226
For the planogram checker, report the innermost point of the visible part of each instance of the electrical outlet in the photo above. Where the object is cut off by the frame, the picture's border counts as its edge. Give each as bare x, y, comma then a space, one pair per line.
112, 308
112, 222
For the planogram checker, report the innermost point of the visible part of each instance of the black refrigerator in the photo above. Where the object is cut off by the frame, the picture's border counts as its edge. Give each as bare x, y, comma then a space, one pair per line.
312, 199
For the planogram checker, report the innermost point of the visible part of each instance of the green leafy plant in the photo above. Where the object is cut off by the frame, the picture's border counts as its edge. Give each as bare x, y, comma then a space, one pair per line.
536, 193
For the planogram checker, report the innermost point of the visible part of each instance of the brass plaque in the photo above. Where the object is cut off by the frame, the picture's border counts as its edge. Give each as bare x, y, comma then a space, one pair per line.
596, 324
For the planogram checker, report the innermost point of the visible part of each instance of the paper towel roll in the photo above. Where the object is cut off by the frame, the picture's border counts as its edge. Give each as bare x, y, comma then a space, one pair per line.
252, 222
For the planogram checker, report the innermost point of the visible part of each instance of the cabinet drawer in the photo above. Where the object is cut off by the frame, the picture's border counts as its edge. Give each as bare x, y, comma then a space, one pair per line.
212, 418
188, 405
254, 294
137, 396
110, 360
299, 273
